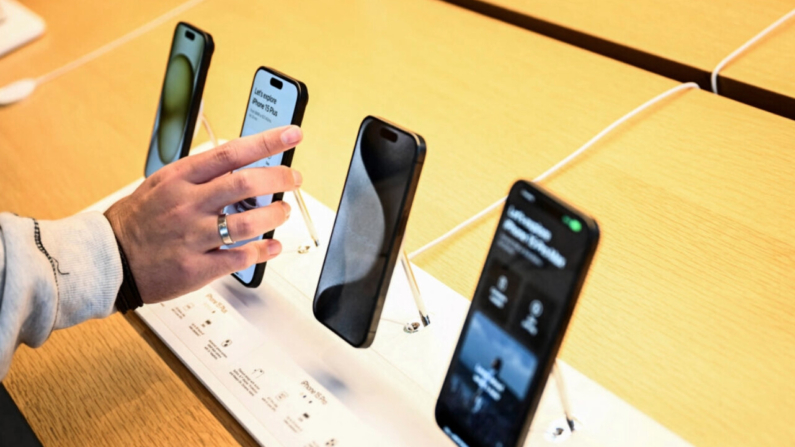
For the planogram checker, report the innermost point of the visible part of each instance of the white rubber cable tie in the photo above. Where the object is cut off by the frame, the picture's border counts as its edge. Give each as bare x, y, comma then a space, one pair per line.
746, 45
117, 43
556, 167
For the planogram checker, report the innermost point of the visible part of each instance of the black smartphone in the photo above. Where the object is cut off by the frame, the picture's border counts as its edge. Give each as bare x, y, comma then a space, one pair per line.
368, 231
524, 300
180, 97
275, 100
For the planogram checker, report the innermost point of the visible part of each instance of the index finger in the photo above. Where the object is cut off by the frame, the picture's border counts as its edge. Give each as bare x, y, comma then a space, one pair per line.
241, 152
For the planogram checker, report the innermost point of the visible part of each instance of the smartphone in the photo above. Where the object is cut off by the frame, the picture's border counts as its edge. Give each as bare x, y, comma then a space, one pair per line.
180, 97
368, 232
275, 100
524, 300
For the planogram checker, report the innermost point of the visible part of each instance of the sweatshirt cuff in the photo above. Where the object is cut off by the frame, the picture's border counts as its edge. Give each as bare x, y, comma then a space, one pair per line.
86, 265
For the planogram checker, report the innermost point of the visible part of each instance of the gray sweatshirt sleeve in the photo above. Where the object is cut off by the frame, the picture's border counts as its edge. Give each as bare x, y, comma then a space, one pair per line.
53, 274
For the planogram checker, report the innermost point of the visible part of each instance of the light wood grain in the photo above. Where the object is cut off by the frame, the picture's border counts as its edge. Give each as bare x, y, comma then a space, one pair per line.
76, 28
695, 33
685, 314
102, 384
107, 382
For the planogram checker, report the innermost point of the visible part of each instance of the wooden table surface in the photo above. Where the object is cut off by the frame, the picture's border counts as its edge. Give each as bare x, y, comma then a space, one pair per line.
73, 30
686, 314
694, 34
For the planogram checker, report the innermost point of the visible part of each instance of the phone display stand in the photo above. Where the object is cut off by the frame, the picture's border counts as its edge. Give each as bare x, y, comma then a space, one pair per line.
18, 26
204, 122
291, 382
412, 326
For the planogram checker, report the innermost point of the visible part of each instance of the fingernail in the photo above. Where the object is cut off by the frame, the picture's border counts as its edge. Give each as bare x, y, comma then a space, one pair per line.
297, 178
274, 247
287, 209
292, 135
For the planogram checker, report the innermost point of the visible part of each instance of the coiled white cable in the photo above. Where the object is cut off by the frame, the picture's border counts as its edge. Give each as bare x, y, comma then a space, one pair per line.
745, 46
556, 167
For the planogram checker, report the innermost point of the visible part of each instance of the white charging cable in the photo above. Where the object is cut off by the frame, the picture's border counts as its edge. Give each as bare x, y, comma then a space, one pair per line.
21, 89
746, 45
556, 167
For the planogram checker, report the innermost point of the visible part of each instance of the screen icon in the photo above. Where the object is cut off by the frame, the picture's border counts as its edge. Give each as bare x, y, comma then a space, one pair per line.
573, 224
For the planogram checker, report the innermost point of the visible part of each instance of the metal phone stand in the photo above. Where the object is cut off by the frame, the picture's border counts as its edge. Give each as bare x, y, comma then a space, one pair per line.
299, 198
562, 429
414, 326
410, 327
558, 431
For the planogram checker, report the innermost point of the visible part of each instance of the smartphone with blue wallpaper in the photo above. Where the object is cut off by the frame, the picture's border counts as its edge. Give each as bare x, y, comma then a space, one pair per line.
180, 97
275, 100
524, 300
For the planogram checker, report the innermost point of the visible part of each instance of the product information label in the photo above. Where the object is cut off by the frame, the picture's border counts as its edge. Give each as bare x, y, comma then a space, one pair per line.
287, 401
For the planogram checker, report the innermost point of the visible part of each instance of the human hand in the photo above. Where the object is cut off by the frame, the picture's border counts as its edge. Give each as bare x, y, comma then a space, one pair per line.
168, 227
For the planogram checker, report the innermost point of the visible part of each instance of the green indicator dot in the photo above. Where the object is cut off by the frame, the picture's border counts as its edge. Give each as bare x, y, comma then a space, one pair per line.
573, 224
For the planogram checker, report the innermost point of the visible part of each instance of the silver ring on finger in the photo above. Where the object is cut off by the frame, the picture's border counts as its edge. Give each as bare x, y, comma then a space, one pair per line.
223, 230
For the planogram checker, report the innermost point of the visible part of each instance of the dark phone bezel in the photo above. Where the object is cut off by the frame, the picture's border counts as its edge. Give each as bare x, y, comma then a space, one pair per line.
538, 383
397, 237
198, 92
287, 159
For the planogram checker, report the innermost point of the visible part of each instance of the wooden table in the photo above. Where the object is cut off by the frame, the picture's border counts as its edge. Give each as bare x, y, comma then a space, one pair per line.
686, 314
684, 40
76, 28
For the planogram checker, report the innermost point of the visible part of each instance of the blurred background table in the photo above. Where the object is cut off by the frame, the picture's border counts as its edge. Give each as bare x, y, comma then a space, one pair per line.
680, 39
75, 28
686, 314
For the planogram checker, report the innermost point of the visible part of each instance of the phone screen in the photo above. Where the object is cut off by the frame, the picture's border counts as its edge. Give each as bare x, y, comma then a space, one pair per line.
523, 300
365, 231
271, 104
176, 98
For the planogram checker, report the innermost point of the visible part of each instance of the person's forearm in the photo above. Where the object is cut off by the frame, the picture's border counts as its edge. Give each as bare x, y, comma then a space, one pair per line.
53, 274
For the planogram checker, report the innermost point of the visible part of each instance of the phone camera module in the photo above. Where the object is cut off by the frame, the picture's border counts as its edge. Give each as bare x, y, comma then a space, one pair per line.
277, 83
190, 35
388, 134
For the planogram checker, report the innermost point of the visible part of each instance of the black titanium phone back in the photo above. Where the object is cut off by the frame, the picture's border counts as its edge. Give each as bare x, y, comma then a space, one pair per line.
368, 230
